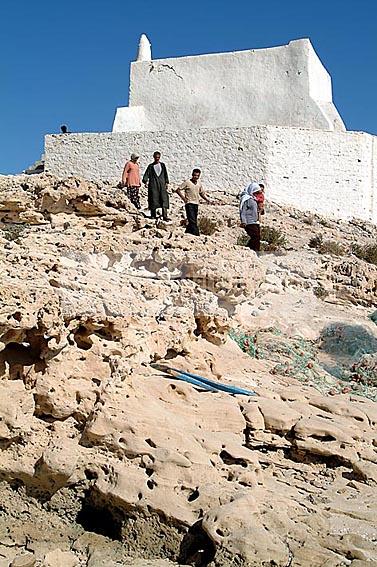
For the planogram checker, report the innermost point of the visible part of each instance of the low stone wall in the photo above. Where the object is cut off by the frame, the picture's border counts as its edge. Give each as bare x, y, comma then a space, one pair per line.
332, 173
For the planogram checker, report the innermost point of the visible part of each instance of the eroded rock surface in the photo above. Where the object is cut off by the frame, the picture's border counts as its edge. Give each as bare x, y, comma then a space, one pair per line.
107, 460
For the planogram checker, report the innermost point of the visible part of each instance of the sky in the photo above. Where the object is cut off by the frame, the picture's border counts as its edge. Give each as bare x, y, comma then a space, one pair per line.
67, 61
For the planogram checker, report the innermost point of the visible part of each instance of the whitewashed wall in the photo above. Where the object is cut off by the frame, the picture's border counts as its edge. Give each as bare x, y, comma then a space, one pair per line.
281, 86
327, 172
333, 173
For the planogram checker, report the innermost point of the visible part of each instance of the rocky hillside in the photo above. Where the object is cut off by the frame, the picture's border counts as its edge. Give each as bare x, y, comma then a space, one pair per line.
108, 460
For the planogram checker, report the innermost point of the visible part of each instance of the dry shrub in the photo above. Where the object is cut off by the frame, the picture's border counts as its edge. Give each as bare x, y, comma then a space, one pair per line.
327, 246
272, 238
320, 292
316, 241
331, 247
367, 252
242, 240
207, 226
13, 231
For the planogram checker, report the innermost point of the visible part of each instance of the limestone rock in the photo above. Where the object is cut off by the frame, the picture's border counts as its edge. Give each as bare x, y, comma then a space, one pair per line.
340, 407
32, 217
123, 462
278, 416
25, 559
58, 558
15, 417
57, 463
253, 416
325, 437
366, 470
228, 525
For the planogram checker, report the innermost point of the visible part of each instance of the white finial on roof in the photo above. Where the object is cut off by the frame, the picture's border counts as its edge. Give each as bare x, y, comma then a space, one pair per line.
144, 53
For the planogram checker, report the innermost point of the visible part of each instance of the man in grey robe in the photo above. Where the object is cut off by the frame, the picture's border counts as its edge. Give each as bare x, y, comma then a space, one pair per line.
156, 180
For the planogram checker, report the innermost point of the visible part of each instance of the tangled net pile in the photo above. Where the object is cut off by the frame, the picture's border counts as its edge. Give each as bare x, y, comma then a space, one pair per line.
298, 358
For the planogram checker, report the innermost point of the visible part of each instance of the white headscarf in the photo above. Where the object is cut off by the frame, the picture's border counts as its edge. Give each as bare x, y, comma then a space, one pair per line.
248, 193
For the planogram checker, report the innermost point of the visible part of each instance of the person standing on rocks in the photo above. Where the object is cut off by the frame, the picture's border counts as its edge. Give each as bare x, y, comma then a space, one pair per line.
131, 180
190, 191
156, 180
249, 214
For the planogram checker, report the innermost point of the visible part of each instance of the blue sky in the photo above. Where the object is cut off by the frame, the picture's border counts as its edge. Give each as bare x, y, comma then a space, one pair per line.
67, 61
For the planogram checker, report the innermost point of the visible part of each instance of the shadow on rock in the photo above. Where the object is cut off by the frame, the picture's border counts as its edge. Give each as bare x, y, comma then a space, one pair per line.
197, 548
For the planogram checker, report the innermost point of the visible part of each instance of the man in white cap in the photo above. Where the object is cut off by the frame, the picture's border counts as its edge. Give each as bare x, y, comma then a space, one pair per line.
131, 180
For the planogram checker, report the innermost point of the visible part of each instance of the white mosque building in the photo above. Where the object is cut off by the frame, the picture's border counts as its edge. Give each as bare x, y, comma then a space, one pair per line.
263, 114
